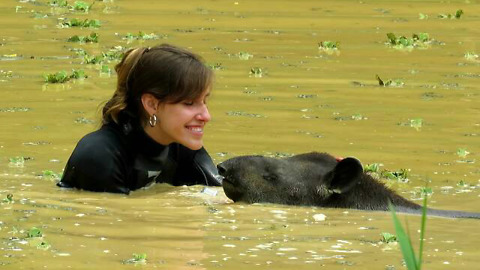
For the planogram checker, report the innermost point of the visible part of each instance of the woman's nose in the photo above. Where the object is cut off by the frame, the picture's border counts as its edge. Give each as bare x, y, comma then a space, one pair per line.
204, 114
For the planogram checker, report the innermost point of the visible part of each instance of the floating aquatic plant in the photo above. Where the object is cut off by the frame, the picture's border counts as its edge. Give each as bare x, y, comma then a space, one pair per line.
329, 47
92, 38
374, 170
67, 23
374, 167
58, 3
457, 15
35, 238
78, 6
43, 245
8, 198
389, 83
416, 123
16, 161
58, 77
388, 238
6, 73
114, 54
81, 6
471, 56
105, 69
141, 36
240, 113
83, 120
400, 175
426, 191
140, 258
462, 184
358, 117
420, 40
306, 96
216, 66
244, 56
93, 59
256, 72
34, 232
462, 152
422, 16
50, 175
15, 109
63, 76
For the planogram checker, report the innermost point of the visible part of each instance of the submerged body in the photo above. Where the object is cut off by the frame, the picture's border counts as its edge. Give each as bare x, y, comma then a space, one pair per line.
315, 179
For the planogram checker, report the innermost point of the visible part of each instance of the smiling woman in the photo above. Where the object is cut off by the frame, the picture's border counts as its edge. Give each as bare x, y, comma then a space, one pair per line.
152, 126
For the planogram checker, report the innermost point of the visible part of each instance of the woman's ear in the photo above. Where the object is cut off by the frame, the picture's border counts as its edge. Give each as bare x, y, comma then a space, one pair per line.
150, 103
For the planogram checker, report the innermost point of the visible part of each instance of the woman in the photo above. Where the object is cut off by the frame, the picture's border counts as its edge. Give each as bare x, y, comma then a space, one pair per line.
152, 126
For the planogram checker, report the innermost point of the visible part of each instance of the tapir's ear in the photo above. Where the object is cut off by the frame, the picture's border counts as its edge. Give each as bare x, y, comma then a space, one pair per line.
345, 175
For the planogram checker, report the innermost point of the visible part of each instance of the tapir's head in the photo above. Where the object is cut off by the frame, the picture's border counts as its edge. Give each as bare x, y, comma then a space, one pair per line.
307, 179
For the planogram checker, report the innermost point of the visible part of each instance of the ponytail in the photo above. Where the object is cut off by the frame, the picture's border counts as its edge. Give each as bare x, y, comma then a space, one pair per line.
119, 100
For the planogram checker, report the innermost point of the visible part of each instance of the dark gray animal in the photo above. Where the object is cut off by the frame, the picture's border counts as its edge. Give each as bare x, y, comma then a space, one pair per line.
316, 179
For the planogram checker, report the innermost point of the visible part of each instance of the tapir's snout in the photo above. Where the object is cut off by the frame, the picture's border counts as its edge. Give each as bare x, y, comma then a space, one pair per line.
222, 169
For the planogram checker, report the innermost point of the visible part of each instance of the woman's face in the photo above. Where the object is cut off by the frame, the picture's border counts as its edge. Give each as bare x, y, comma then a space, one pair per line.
181, 122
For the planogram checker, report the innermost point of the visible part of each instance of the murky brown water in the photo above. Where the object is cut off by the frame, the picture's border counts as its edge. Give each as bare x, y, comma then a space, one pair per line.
306, 101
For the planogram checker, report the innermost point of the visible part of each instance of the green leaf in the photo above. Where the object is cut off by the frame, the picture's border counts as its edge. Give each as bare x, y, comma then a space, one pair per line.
380, 81
422, 16
462, 152
48, 174
388, 237
416, 123
422, 232
141, 36
405, 244
105, 69
58, 3
374, 167
458, 14
8, 199
78, 74
244, 55
92, 38
44, 245
81, 6
329, 44
34, 232
426, 191
256, 72
140, 258
391, 37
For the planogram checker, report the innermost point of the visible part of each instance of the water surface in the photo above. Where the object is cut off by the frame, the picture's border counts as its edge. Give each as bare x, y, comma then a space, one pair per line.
306, 100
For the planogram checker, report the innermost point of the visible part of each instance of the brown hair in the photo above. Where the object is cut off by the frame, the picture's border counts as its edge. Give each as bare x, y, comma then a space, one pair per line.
169, 73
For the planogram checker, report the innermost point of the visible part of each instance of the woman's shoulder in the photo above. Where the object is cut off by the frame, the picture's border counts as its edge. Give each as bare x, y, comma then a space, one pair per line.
104, 141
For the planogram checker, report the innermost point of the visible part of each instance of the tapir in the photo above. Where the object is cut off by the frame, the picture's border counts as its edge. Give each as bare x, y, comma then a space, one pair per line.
314, 179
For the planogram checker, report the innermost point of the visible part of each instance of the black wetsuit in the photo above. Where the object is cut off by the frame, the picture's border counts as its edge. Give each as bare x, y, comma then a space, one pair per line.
119, 159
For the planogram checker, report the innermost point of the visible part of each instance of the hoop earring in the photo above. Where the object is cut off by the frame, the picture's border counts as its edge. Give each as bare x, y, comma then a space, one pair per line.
152, 121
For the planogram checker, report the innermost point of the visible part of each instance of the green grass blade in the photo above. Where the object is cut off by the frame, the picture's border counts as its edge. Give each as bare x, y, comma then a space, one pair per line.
422, 231
404, 240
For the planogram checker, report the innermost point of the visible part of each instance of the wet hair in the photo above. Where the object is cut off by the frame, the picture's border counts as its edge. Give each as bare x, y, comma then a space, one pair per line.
169, 73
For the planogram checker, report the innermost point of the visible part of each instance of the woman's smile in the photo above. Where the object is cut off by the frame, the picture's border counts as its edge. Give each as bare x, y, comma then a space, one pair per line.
196, 129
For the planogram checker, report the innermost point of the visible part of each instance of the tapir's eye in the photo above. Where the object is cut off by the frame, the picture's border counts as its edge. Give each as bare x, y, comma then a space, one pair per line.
270, 177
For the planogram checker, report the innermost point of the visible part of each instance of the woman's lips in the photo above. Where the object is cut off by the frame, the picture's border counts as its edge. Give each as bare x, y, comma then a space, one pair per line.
196, 129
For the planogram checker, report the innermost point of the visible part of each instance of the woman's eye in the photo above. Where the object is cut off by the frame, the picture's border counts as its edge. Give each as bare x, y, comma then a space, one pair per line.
188, 103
